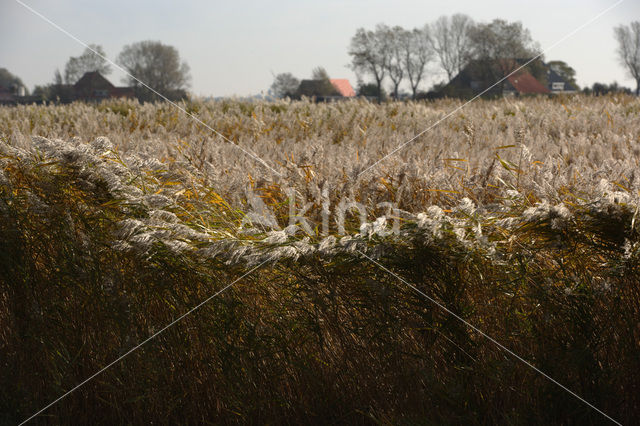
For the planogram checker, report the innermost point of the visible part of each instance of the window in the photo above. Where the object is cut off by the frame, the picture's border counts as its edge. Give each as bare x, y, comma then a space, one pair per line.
101, 93
557, 86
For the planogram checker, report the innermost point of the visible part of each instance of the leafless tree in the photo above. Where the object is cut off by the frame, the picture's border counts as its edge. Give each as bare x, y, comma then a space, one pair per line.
395, 65
628, 38
158, 66
501, 39
57, 77
324, 86
320, 73
370, 54
87, 62
500, 46
449, 38
284, 84
416, 54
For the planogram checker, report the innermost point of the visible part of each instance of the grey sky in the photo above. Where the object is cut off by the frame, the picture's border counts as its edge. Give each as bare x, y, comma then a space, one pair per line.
233, 46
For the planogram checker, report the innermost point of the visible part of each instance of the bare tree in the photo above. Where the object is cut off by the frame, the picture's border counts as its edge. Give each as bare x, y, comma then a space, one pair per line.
89, 61
370, 54
449, 38
499, 46
57, 77
158, 66
501, 39
416, 54
319, 73
628, 38
395, 65
324, 86
284, 84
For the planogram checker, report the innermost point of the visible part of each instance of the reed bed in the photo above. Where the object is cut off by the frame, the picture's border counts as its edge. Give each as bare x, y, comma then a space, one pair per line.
518, 215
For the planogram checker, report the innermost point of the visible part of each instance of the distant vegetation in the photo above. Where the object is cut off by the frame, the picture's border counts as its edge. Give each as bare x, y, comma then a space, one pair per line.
449, 44
153, 63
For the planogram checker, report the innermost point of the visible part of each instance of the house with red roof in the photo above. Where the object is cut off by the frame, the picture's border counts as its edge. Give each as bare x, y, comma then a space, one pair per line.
343, 87
523, 83
336, 89
487, 78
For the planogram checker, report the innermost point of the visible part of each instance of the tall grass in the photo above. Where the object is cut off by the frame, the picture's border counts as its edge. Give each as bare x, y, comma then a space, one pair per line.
521, 217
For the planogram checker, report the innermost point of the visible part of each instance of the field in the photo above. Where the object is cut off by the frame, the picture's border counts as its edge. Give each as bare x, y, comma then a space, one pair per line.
517, 215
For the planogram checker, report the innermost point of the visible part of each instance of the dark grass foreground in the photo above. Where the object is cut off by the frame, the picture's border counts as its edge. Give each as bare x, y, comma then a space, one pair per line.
319, 340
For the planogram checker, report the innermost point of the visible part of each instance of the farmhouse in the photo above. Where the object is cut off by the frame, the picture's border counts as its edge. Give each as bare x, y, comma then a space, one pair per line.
6, 95
523, 83
93, 87
9, 94
481, 76
343, 87
334, 89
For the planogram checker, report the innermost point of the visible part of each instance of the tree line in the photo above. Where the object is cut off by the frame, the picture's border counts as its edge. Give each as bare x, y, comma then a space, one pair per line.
393, 54
451, 43
404, 55
155, 64
447, 44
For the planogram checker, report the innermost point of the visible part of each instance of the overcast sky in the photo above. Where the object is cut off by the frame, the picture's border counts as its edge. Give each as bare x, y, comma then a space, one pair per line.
233, 47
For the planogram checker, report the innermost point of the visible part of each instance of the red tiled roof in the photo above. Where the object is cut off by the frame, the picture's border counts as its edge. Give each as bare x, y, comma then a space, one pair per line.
525, 83
343, 86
